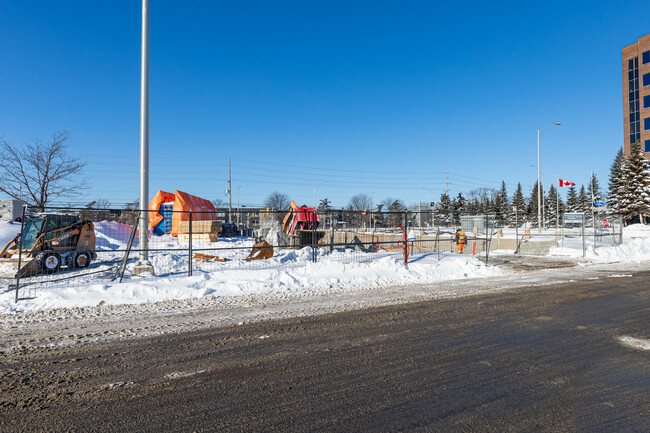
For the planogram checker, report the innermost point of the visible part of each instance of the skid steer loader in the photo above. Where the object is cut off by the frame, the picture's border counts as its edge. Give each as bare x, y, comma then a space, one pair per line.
49, 242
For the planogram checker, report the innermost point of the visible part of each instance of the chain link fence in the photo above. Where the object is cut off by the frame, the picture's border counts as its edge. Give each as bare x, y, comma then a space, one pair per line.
65, 248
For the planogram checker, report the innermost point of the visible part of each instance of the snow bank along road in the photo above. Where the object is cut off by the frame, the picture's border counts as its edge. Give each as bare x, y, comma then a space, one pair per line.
547, 358
65, 326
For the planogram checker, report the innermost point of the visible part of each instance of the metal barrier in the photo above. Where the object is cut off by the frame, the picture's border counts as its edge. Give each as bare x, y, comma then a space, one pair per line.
195, 243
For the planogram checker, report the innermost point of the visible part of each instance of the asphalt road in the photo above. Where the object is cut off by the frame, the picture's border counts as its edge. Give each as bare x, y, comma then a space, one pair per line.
545, 359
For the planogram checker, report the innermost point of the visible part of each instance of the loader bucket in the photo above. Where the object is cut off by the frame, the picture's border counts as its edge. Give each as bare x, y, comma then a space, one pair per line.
261, 250
28, 267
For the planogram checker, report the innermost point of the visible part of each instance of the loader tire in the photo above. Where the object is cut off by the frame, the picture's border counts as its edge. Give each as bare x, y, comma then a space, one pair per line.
49, 262
81, 260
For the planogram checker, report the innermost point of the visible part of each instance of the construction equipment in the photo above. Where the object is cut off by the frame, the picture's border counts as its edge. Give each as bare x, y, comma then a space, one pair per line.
300, 218
50, 241
261, 250
208, 258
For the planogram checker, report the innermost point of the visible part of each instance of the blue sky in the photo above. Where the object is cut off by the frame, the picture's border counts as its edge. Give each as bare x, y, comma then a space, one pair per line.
381, 98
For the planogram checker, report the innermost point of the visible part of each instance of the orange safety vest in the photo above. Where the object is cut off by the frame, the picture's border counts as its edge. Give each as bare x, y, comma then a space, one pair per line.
461, 238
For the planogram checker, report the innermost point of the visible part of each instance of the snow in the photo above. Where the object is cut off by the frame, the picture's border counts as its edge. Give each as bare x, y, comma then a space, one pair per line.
288, 276
7, 232
635, 247
287, 273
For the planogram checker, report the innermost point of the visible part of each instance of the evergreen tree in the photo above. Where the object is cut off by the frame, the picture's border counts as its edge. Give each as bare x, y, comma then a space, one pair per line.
638, 179
624, 195
443, 208
553, 213
584, 201
593, 189
458, 206
615, 173
502, 207
519, 202
572, 200
533, 205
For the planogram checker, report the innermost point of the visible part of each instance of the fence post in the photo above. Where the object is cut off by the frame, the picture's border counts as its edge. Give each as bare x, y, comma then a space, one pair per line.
313, 236
584, 247
620, 233
20, 252
437, 244
593, 222
189, 270
485, 242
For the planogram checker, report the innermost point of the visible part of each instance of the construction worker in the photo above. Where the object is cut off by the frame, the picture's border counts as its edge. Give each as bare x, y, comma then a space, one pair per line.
461, 240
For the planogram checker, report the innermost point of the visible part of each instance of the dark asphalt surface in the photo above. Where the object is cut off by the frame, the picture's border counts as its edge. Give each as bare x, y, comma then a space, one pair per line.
544, 359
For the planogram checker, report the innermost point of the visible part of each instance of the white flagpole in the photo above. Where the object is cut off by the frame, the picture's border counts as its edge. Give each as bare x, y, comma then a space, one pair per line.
557, 205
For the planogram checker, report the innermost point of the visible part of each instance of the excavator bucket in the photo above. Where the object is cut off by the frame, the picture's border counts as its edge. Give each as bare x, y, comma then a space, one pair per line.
261, 250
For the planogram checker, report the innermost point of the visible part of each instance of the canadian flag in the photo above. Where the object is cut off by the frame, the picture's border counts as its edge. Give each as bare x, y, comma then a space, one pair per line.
566, 183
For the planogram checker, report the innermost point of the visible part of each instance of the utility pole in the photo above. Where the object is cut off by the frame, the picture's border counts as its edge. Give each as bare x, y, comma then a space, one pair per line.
229, 193
447, 176
143, 264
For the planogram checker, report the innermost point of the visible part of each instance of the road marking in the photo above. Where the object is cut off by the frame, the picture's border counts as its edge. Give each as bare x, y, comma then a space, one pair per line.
636, 343
620, 275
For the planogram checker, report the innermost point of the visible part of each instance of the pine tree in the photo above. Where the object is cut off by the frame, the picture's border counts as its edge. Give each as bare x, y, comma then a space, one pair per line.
519, 202
639, 183
502, 206
458, 206
533, 206
624, 194
443, 208
584, 201
572, 200
593, 189
615, 173
553, 214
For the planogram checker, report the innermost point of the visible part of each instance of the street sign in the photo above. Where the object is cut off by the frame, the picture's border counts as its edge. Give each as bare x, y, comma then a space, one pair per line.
433, 204
577, 217
599, 204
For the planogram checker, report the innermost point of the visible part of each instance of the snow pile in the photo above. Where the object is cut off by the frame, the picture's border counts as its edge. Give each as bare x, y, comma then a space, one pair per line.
635, 247
297, 276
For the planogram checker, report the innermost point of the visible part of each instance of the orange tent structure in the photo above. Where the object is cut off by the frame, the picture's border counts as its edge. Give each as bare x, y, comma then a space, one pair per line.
201, 208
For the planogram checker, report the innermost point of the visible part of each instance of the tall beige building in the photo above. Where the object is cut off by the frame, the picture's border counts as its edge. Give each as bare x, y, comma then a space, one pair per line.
636, 94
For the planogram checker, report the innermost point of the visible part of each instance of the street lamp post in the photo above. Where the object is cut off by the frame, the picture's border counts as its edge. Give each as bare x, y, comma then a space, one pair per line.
371, 218
433, 200
143, 265
316, 186
540, 223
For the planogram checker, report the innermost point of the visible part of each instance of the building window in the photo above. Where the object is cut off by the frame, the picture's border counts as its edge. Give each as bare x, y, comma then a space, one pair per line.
646, 101
646, 123
646, 58
646, 79
647, 146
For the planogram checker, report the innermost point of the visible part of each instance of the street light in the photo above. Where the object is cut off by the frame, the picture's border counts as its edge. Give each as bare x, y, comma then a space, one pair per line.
371, 218
238, 209
432, 198
540, 223
316, 186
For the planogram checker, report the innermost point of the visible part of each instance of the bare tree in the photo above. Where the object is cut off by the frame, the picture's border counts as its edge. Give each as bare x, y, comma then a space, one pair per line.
38, 171
359, 202
217, 202
97, 210
277, 201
